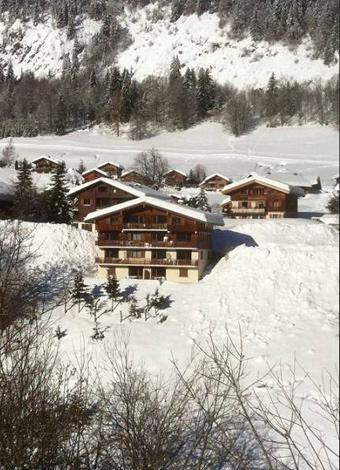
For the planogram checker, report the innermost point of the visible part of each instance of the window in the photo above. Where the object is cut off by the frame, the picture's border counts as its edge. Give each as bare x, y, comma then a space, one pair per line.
184, 255
114, 220
183, 237
135, 219
160, 219
159, 254
260, 205
136, 254
102, 189
201, 254
112, 254
112, 235
176, 220
87, 202
183, 272
137, 237
103, 202
112, 272
87, 227
277, 204
158, 236
258, 192
244, 205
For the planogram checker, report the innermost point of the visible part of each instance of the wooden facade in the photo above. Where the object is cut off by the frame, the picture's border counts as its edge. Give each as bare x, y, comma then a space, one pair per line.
45, 165
94, 174
175, 178
215, 182
148, 242
256, 200
112, 169
97, 197
134, 176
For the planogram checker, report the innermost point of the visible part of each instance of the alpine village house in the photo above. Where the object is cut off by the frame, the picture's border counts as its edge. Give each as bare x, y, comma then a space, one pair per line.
46, 164
153, 238
257, 197
215, 182
103, 192
175, 178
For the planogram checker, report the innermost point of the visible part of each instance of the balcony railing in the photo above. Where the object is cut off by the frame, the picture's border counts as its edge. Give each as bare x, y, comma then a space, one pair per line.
154, 244
147, 226
147, 262
250, 210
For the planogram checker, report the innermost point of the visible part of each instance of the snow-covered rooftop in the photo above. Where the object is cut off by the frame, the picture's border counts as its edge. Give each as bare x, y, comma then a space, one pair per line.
128, 172
49, 158
213, 219
117, 165
175, 171
132, 188
214, 175
285, 188
87, 172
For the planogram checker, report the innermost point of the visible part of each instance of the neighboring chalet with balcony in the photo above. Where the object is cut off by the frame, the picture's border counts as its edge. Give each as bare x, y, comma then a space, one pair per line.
46, 164
215, 182
152, 238
133, 176
114, 170
175, 178
257, 197
94, 174
104, 192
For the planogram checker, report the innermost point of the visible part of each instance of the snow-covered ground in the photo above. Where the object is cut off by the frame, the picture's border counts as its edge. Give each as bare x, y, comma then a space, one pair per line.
308, 151
278, 283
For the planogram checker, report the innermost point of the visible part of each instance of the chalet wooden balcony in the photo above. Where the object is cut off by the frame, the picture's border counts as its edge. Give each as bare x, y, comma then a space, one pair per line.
147, 226
249, 210
152, 244
147, 262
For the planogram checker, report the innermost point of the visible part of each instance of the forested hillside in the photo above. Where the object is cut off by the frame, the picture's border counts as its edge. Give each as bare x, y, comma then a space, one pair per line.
73, 63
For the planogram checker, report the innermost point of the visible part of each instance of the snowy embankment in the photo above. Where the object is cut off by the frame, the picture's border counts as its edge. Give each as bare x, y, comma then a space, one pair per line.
279, 285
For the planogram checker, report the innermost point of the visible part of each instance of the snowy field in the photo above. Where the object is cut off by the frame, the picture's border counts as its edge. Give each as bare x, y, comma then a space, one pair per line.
289, 153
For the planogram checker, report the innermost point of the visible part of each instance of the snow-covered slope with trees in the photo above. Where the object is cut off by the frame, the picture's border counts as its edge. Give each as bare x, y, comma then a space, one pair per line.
198, 41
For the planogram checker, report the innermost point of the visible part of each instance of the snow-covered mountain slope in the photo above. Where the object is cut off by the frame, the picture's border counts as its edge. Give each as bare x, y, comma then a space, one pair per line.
41, 48
198, 41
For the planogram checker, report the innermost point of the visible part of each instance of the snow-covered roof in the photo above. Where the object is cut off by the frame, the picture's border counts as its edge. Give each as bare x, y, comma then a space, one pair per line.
47, 157
208, 178
283, 187
206, 217
176, 171
125, 173
117, 165
132, 188
225, 201
87, 172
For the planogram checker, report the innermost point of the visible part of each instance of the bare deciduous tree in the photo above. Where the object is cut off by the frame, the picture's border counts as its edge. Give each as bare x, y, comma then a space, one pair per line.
152, 165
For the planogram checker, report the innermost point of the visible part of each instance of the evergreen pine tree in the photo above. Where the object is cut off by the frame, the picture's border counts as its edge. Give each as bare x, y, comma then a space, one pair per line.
112, 289
25, 193
202, 201
60, 211
79, 290
272, 103
206, 92
61, 116
333, 204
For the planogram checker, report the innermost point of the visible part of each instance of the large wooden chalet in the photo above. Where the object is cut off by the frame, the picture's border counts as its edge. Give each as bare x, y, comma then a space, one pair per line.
114, 170
46, 164
215, 182
175, 178
152, 238
257, 197
101, 193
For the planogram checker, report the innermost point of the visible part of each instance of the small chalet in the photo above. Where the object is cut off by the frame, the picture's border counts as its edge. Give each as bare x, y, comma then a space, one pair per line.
133, 176
175, 178
152, 238
46, 164
114, 170
215, 182
94, 174
101, 193
257, 197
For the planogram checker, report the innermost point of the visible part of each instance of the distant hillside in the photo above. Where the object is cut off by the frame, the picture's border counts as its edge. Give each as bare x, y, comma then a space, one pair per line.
240, 41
